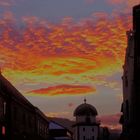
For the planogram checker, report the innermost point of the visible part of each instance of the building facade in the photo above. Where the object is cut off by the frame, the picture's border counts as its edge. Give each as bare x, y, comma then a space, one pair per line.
2, 116
128, 86
131, 81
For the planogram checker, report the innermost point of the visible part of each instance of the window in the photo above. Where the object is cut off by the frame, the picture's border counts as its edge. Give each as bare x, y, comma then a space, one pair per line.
23, 119
88, 119
127, 108
1, 107
3, 130
83, 128
15, 113
126, 81
92, 129
92, 137
4, 108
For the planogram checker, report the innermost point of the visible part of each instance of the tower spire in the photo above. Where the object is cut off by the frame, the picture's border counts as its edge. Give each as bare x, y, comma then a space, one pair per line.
85, 100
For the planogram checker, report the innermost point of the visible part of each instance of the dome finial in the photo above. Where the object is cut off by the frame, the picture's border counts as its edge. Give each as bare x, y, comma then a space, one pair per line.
85, 100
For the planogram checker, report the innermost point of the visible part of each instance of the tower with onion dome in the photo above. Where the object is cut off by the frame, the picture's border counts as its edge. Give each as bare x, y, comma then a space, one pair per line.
86, 126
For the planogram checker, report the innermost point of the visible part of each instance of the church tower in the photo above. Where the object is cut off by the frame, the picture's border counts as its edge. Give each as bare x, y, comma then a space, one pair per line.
86, 126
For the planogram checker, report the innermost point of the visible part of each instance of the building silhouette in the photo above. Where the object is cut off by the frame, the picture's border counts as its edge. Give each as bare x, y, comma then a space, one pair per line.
19, 119
86, 126
130, 118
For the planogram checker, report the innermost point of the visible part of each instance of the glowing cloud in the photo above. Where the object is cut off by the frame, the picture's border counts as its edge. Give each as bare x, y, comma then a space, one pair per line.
63, 53
57, 114
64, 90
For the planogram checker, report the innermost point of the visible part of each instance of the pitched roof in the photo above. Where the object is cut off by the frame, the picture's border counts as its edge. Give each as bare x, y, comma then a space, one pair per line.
10, 91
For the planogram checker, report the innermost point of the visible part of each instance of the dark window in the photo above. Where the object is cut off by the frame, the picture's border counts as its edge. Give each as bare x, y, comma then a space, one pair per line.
126, 81
88, 119
127, 108
29, 121
15, 113
84, 129
1, 108
23, 119
92, 129
92, 137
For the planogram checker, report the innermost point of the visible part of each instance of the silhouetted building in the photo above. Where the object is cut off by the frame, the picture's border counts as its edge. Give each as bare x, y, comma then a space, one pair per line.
104, 133
86, 126
128, 86
131, 82
19, 119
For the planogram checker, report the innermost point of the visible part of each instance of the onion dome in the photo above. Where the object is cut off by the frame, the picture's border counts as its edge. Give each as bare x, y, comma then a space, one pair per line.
85, 110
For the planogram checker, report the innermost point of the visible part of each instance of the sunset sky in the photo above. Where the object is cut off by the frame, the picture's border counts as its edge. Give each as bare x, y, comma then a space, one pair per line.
57, 52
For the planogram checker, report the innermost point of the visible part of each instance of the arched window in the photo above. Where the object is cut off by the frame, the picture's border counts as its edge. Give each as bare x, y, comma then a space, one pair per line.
127, 108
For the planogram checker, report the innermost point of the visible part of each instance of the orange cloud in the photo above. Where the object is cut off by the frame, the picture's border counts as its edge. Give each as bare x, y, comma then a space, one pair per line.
128, 4
131, 3
64, 90
66, 52
57, 114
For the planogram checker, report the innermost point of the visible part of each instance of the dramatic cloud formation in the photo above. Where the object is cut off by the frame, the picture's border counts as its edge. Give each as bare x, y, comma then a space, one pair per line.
127, 4
64, 53
64, 90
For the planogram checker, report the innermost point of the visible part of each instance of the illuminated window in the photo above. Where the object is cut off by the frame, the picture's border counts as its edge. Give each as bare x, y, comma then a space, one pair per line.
3, 130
